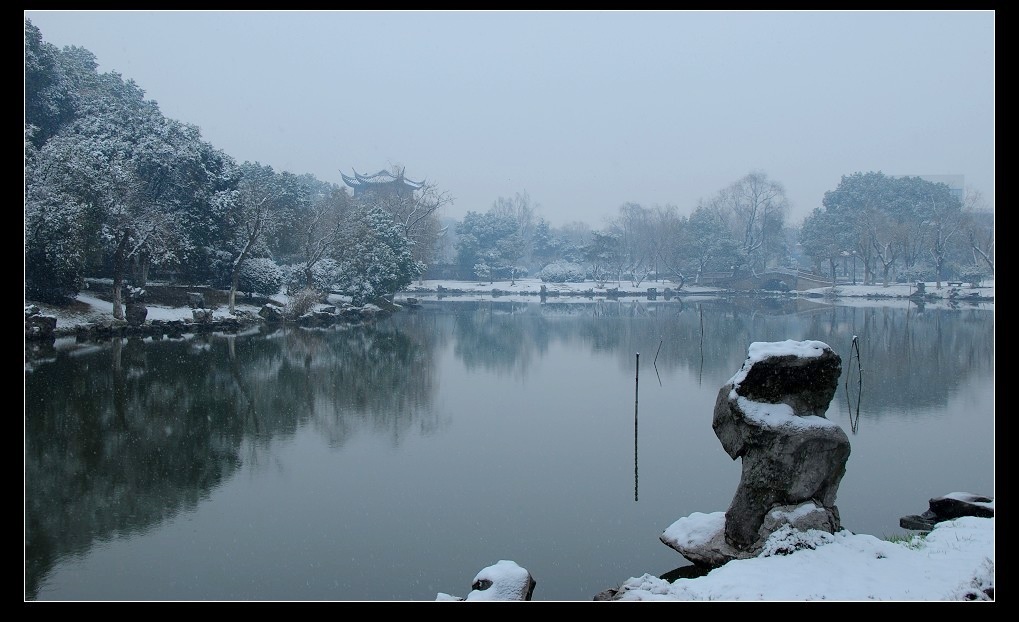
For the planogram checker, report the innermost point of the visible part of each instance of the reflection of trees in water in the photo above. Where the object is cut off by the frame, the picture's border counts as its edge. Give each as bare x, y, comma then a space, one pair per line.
123, 437
910, 359
128, 435
117, 440
381, 379
501, 336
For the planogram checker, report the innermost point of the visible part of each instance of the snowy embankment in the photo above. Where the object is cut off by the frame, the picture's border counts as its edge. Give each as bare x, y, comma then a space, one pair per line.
531, 289
89, 308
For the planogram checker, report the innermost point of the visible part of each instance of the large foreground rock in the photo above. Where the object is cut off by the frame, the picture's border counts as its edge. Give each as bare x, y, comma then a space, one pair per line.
771, 415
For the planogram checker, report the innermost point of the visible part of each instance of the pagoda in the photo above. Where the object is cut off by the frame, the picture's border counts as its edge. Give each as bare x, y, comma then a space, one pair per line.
382, 182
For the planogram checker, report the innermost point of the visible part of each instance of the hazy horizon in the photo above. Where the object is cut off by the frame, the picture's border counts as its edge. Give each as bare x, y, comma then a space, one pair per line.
583, 110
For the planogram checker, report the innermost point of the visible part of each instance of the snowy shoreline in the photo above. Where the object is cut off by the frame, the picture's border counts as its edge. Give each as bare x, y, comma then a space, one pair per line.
534, 287
90, 309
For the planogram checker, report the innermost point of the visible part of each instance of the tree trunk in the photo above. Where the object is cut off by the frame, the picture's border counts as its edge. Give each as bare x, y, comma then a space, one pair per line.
143, 276
234, 280
118, 278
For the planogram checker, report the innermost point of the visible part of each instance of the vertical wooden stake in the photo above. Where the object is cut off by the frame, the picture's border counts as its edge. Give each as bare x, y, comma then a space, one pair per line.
636, 379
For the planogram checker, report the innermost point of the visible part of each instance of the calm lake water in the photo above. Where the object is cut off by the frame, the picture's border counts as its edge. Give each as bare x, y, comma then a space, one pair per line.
395, 461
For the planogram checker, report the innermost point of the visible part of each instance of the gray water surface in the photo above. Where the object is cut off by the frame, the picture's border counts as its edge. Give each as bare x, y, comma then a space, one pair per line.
395, 461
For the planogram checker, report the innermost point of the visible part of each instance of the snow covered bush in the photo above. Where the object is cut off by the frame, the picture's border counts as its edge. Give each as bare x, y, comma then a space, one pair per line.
974, 274
323, 275
483, 271
261, 276
918, 272
562, 272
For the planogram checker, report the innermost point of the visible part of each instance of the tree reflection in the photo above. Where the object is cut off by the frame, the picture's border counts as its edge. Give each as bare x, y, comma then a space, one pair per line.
125, 435
911, 359
499, 336
128, 435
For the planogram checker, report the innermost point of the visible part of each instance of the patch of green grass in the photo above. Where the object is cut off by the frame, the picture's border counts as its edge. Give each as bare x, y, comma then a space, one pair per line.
911, 540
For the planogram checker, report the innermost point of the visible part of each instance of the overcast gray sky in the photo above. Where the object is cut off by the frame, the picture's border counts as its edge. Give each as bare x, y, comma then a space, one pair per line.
583, 111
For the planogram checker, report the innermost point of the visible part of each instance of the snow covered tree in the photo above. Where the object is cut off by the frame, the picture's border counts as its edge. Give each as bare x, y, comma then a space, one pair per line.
545, 247
492, 238
603, 254
519, 245
979, 231
55, 237
98, 162
569, 241
755, 208
896, 222
636, 242
124, 186
374, 256
825, 238
50, 99
254, 212
323, 276
483, 271
665, 236
319, 214
942, 216
416, 213
708, 242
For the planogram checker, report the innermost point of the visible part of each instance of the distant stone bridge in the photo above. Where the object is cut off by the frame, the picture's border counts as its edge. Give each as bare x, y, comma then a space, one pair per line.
775, 279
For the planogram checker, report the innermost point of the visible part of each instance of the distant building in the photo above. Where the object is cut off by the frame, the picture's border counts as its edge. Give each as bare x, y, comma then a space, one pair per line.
382, 182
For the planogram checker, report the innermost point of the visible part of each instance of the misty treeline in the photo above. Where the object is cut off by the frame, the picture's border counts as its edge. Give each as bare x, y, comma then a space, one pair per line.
873, 226
115, 189
741, 228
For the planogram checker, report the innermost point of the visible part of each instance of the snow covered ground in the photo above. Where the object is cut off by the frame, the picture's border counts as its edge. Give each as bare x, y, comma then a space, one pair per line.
954, 562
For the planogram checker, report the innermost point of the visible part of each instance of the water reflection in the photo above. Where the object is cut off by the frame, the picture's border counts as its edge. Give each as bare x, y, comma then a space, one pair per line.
123, 436
914, 358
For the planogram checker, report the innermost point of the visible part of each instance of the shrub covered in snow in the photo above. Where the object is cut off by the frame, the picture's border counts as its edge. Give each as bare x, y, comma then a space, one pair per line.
483, 271
973, 274
918, 272
323, 275
562, 272
261, 276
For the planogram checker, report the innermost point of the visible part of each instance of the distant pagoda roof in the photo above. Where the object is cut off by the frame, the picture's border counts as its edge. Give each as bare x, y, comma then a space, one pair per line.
381, 178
